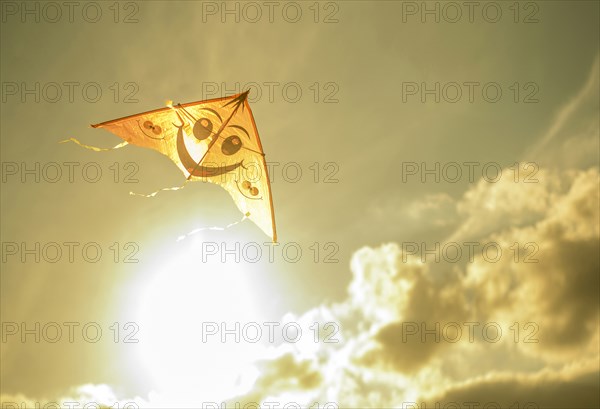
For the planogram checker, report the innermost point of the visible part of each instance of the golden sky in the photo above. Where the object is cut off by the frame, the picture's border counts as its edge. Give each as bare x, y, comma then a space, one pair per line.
435, 177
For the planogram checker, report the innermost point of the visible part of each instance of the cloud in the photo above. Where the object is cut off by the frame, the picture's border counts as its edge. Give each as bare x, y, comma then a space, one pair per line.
586, 95
491, 207
547, 391
92, 395
501, 330
284, 373
426, 298
572, 140
437, 209
554, 302
558, 289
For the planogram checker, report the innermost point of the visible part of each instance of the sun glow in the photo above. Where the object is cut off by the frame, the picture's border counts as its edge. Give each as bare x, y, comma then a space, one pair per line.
178, 310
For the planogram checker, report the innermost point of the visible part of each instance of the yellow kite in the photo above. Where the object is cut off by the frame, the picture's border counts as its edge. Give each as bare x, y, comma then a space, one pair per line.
214, 140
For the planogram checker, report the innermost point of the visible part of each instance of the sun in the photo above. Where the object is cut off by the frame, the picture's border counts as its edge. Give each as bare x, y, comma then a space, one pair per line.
184, 303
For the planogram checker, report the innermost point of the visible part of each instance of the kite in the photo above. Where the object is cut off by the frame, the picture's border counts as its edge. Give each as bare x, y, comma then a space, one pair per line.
214, 140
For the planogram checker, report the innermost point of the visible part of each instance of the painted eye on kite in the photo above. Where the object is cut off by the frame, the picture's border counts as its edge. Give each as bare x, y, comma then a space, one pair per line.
248, 188
231, 145
149, 125
203, 128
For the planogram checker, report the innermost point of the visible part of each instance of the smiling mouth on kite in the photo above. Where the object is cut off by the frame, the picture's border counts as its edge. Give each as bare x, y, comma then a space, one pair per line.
210, 171
202, 130
194, 168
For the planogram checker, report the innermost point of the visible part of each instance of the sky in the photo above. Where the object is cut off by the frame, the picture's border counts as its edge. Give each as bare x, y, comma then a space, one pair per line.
434, 170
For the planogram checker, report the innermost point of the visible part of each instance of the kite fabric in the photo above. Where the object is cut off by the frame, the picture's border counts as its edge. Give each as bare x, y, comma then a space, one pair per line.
214, 140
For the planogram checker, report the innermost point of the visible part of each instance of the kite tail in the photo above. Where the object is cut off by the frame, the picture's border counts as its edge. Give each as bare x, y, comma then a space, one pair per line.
183, 237
159, 190
94, 148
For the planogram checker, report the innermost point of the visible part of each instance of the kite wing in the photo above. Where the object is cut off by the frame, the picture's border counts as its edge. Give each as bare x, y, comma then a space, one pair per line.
214, 140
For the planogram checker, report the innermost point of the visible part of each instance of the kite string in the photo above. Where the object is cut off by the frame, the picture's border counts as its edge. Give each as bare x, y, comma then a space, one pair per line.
160, 190
94, 148
122, 144
199, 229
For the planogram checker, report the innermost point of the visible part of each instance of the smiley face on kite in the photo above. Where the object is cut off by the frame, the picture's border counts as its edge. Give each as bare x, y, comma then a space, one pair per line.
207, 139
202, 129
